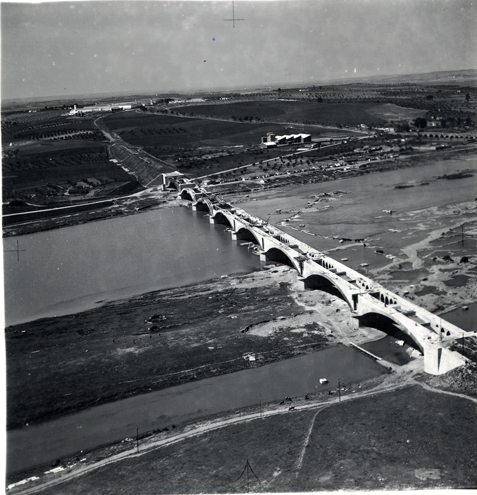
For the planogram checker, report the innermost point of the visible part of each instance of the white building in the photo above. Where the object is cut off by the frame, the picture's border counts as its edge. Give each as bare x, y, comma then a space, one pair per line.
271, 140
109, 107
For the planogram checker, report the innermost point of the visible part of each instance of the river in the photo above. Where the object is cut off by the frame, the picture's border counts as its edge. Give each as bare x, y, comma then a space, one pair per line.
359, 213
76, 268
43, 443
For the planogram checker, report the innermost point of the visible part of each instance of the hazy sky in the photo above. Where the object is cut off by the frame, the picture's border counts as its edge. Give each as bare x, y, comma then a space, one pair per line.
66, 48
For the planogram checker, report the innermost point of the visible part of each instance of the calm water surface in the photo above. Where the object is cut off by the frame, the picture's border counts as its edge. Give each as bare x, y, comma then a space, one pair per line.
465, 319
46, 442
73, 269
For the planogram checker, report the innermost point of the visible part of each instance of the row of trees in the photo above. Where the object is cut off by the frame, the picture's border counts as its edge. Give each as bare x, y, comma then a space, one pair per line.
155, 130
30, 162
62, 134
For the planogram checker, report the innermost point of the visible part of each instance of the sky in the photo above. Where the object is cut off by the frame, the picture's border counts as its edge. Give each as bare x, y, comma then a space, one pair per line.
71, 48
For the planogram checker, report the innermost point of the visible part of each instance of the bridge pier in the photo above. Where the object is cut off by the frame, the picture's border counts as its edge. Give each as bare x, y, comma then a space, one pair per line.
233, 235
439, 360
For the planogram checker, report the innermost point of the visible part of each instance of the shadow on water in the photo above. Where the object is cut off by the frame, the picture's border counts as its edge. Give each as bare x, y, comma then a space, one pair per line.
386, 325
389, 349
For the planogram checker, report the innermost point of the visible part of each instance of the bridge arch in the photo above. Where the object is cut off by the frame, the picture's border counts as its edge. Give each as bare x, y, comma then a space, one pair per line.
244, 234
320, 282
385, 299
171, 184
390, 326
222, 219
275, 254
188, 194
203, 204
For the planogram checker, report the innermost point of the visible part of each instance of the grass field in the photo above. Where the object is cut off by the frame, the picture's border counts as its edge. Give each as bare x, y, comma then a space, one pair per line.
391, 112
407, 439
292, 111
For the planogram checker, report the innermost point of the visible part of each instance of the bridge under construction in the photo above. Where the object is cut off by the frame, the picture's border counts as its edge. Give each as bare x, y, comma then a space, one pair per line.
369, 302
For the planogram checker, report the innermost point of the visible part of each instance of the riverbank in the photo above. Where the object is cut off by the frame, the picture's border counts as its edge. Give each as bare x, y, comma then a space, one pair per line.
129, 205
165, 338
307, 457
170, 337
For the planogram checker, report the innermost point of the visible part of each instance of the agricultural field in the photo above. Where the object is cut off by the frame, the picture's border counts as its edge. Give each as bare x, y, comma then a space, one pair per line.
198, 146
15, 125
311, 112
48, 172
173, 133
391, 112
50, 157
132, 120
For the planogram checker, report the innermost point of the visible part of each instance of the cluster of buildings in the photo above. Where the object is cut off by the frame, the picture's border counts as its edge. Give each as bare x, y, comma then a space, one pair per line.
271, 140
108, 107
179, 101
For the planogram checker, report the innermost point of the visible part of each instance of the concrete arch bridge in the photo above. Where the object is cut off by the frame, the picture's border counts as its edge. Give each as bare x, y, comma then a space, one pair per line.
367, 300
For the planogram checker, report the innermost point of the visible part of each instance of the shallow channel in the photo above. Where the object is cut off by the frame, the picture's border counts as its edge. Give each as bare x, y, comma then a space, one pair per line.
44, 443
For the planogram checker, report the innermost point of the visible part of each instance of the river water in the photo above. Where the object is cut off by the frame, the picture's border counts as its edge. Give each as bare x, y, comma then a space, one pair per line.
359, 213
46, 442
76, 268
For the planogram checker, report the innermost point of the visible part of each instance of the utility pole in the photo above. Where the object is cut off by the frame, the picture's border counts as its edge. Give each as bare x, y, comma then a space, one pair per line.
339, 389
248, 469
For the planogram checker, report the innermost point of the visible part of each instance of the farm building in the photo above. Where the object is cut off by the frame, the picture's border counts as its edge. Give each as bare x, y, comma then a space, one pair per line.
271, 140
101, 108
